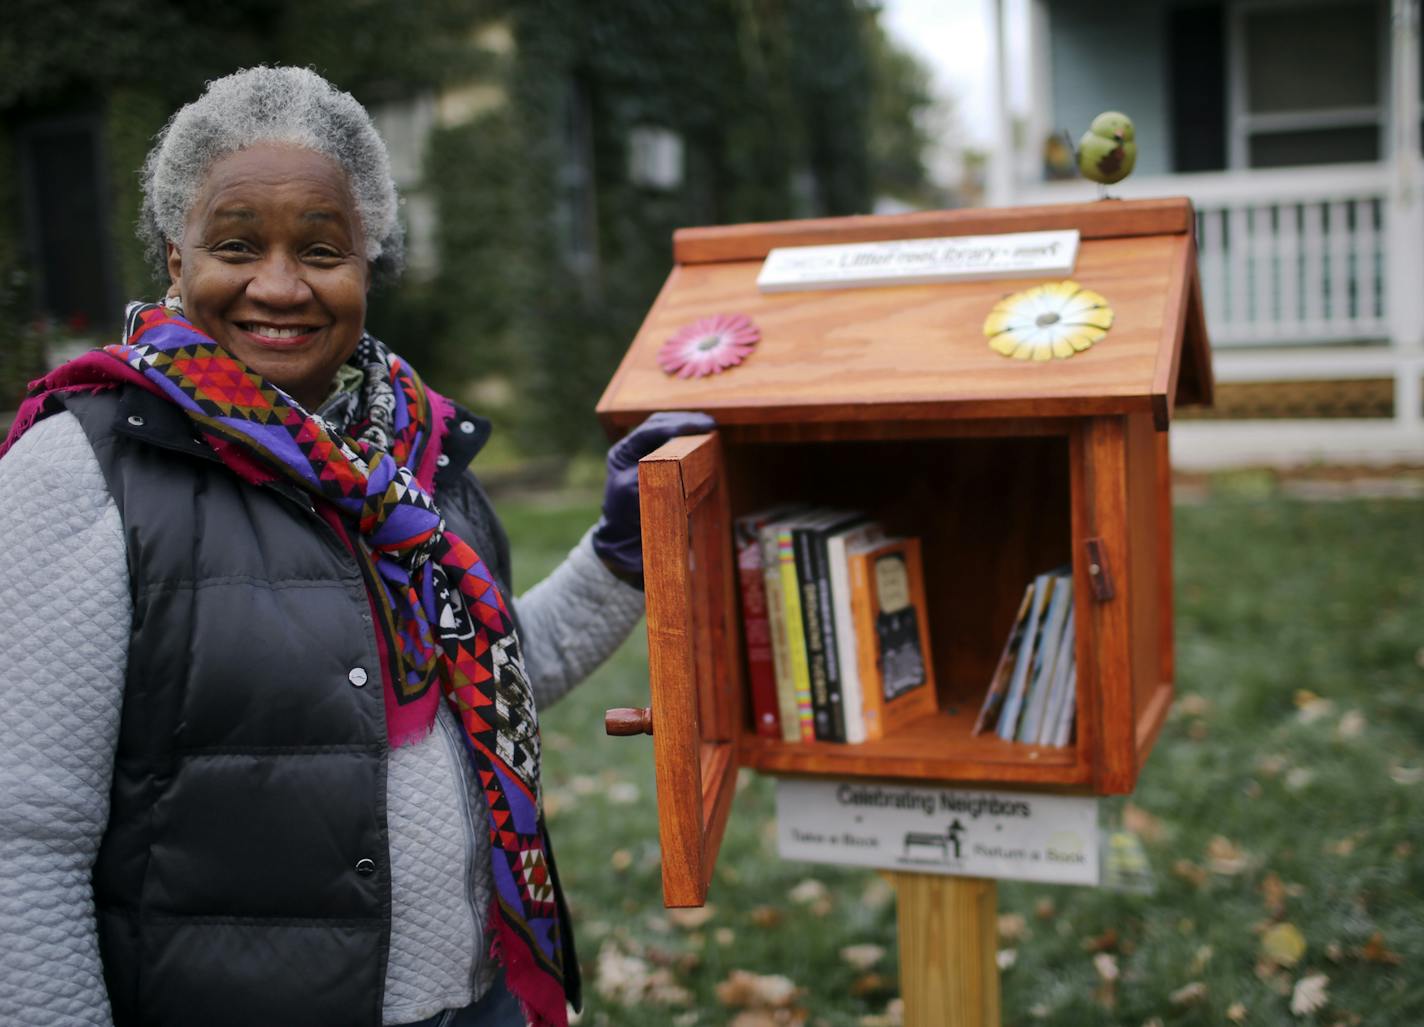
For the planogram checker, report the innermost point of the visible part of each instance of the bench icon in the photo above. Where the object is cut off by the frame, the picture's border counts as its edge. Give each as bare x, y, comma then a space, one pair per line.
917, 842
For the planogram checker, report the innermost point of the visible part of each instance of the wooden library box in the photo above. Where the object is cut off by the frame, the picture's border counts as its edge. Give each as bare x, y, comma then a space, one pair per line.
889, 399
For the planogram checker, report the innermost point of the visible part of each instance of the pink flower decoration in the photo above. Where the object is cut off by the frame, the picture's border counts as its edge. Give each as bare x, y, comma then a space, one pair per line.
709, 346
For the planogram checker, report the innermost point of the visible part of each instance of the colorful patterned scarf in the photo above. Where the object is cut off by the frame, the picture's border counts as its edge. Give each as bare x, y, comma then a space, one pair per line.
442, 625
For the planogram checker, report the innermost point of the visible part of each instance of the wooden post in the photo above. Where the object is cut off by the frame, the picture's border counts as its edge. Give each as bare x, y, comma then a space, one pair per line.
948, 930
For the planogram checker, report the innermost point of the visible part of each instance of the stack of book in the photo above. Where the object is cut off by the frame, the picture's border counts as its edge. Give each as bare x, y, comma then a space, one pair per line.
1032, 697
834, 616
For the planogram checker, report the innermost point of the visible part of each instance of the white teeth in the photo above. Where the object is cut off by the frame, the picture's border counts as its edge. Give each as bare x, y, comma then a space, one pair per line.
271, 332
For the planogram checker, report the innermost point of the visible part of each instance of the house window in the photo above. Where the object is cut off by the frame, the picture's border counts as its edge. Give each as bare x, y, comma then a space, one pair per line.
67, 221
1308, 83
654, 157
575, 215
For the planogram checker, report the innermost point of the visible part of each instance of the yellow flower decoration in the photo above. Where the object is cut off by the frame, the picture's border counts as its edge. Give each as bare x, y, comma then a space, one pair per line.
1056, 319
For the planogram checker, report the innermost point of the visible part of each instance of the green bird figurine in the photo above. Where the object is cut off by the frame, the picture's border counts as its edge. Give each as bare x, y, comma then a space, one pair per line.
1107, 151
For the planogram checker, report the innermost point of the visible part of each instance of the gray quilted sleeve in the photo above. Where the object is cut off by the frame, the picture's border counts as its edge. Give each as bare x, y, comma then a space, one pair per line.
64, 630
572, 621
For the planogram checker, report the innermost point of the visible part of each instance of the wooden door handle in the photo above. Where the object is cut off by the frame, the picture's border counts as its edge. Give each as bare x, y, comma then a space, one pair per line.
629, 721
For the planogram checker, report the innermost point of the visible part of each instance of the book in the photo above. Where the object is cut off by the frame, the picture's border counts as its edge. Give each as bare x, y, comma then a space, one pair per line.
838, 576
1063, 732
999, 683
1059, 693
756, 625
788, 712
892, 634
798, 657
1018, 682
822, 662
1045, 658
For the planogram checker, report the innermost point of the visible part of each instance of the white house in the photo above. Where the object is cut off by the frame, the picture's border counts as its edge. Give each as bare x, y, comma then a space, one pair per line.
1294, 126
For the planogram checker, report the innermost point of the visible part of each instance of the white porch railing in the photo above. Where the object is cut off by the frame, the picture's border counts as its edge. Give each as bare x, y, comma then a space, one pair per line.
1289, 257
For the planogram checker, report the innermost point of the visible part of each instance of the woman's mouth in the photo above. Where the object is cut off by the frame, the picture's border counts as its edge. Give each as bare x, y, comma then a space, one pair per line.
277, 336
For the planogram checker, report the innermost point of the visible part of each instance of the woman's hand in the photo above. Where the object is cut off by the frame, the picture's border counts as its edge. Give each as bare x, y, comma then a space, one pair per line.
618, 537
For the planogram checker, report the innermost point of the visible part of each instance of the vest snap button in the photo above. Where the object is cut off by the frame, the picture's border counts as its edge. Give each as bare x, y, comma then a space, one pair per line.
442, 461
136, 420
356, 676
468, 427
365, 867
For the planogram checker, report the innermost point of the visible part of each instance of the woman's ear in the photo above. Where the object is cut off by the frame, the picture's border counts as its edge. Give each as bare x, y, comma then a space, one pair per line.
175, 264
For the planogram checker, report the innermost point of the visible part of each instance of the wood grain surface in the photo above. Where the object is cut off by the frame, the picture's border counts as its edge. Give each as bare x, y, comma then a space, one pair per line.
948, 933
908, 352
1168, 216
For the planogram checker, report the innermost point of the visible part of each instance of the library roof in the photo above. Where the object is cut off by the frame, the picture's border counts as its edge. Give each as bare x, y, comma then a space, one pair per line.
918, 351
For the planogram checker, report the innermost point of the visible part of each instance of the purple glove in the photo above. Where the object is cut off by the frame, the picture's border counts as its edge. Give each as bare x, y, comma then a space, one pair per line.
618, 537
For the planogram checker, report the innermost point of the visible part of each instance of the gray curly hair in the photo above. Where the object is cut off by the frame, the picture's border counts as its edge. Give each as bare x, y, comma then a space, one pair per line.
259, 105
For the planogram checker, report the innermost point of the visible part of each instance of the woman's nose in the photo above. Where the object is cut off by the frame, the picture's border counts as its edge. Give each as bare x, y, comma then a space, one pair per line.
278, 282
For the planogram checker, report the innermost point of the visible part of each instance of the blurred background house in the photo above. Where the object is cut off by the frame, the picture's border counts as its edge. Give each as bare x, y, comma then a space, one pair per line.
1294, 126
546, 151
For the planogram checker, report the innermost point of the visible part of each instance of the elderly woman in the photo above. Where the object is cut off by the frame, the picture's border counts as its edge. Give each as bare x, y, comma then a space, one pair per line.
269, 749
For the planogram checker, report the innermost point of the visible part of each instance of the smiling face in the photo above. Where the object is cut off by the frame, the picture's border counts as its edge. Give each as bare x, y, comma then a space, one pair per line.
272, 266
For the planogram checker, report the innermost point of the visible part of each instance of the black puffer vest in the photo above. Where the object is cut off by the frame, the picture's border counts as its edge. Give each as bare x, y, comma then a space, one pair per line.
243, 878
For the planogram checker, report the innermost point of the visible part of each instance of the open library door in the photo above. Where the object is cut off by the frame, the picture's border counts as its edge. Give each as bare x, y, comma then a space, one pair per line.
693, 656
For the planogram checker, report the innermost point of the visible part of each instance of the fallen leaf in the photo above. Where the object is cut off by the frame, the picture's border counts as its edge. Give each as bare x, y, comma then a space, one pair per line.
1352, 725
1201, 958
1045, 909
870, 984
582, 784
807, 892
1236, 1012
1105, 942
1309, 994
1006, 958
1012, 927
1403, 850
821, 907
1198, 731
1271, 765
623, 793
862, 957
1192, 704
746, 990
1273, 891
1403, 775
687, 1019
724, 936
1335, 952
1039, 1011
1189, 872
1341, 847
1153, 1021
768, 1018
878, 893
1299, 778
1375, 951
1283, 944
766, 916
1141, 823
1105, 963
621, 859
692, 918
1225, 857
1188, 994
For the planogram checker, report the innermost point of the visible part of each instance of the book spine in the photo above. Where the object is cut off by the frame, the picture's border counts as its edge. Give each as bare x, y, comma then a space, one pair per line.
795, 635
908, 705
756, 627
821, 572
803, 542
852, 713
862, 606
1009, 718
787, 715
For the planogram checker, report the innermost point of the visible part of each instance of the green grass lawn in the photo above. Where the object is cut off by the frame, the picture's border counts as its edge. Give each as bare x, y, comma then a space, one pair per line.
1285, 790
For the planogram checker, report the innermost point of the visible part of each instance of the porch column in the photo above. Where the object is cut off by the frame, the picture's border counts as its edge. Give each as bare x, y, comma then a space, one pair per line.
1405, 271
1001, 160
1039, 117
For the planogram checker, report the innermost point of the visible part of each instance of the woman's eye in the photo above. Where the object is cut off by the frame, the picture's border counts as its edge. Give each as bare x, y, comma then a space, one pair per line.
233, 248
324, 253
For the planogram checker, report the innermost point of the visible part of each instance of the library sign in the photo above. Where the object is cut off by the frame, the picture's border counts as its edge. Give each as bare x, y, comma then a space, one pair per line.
893, 826
959, 258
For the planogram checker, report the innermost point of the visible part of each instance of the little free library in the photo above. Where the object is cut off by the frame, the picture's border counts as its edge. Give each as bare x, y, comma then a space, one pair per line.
930, 540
